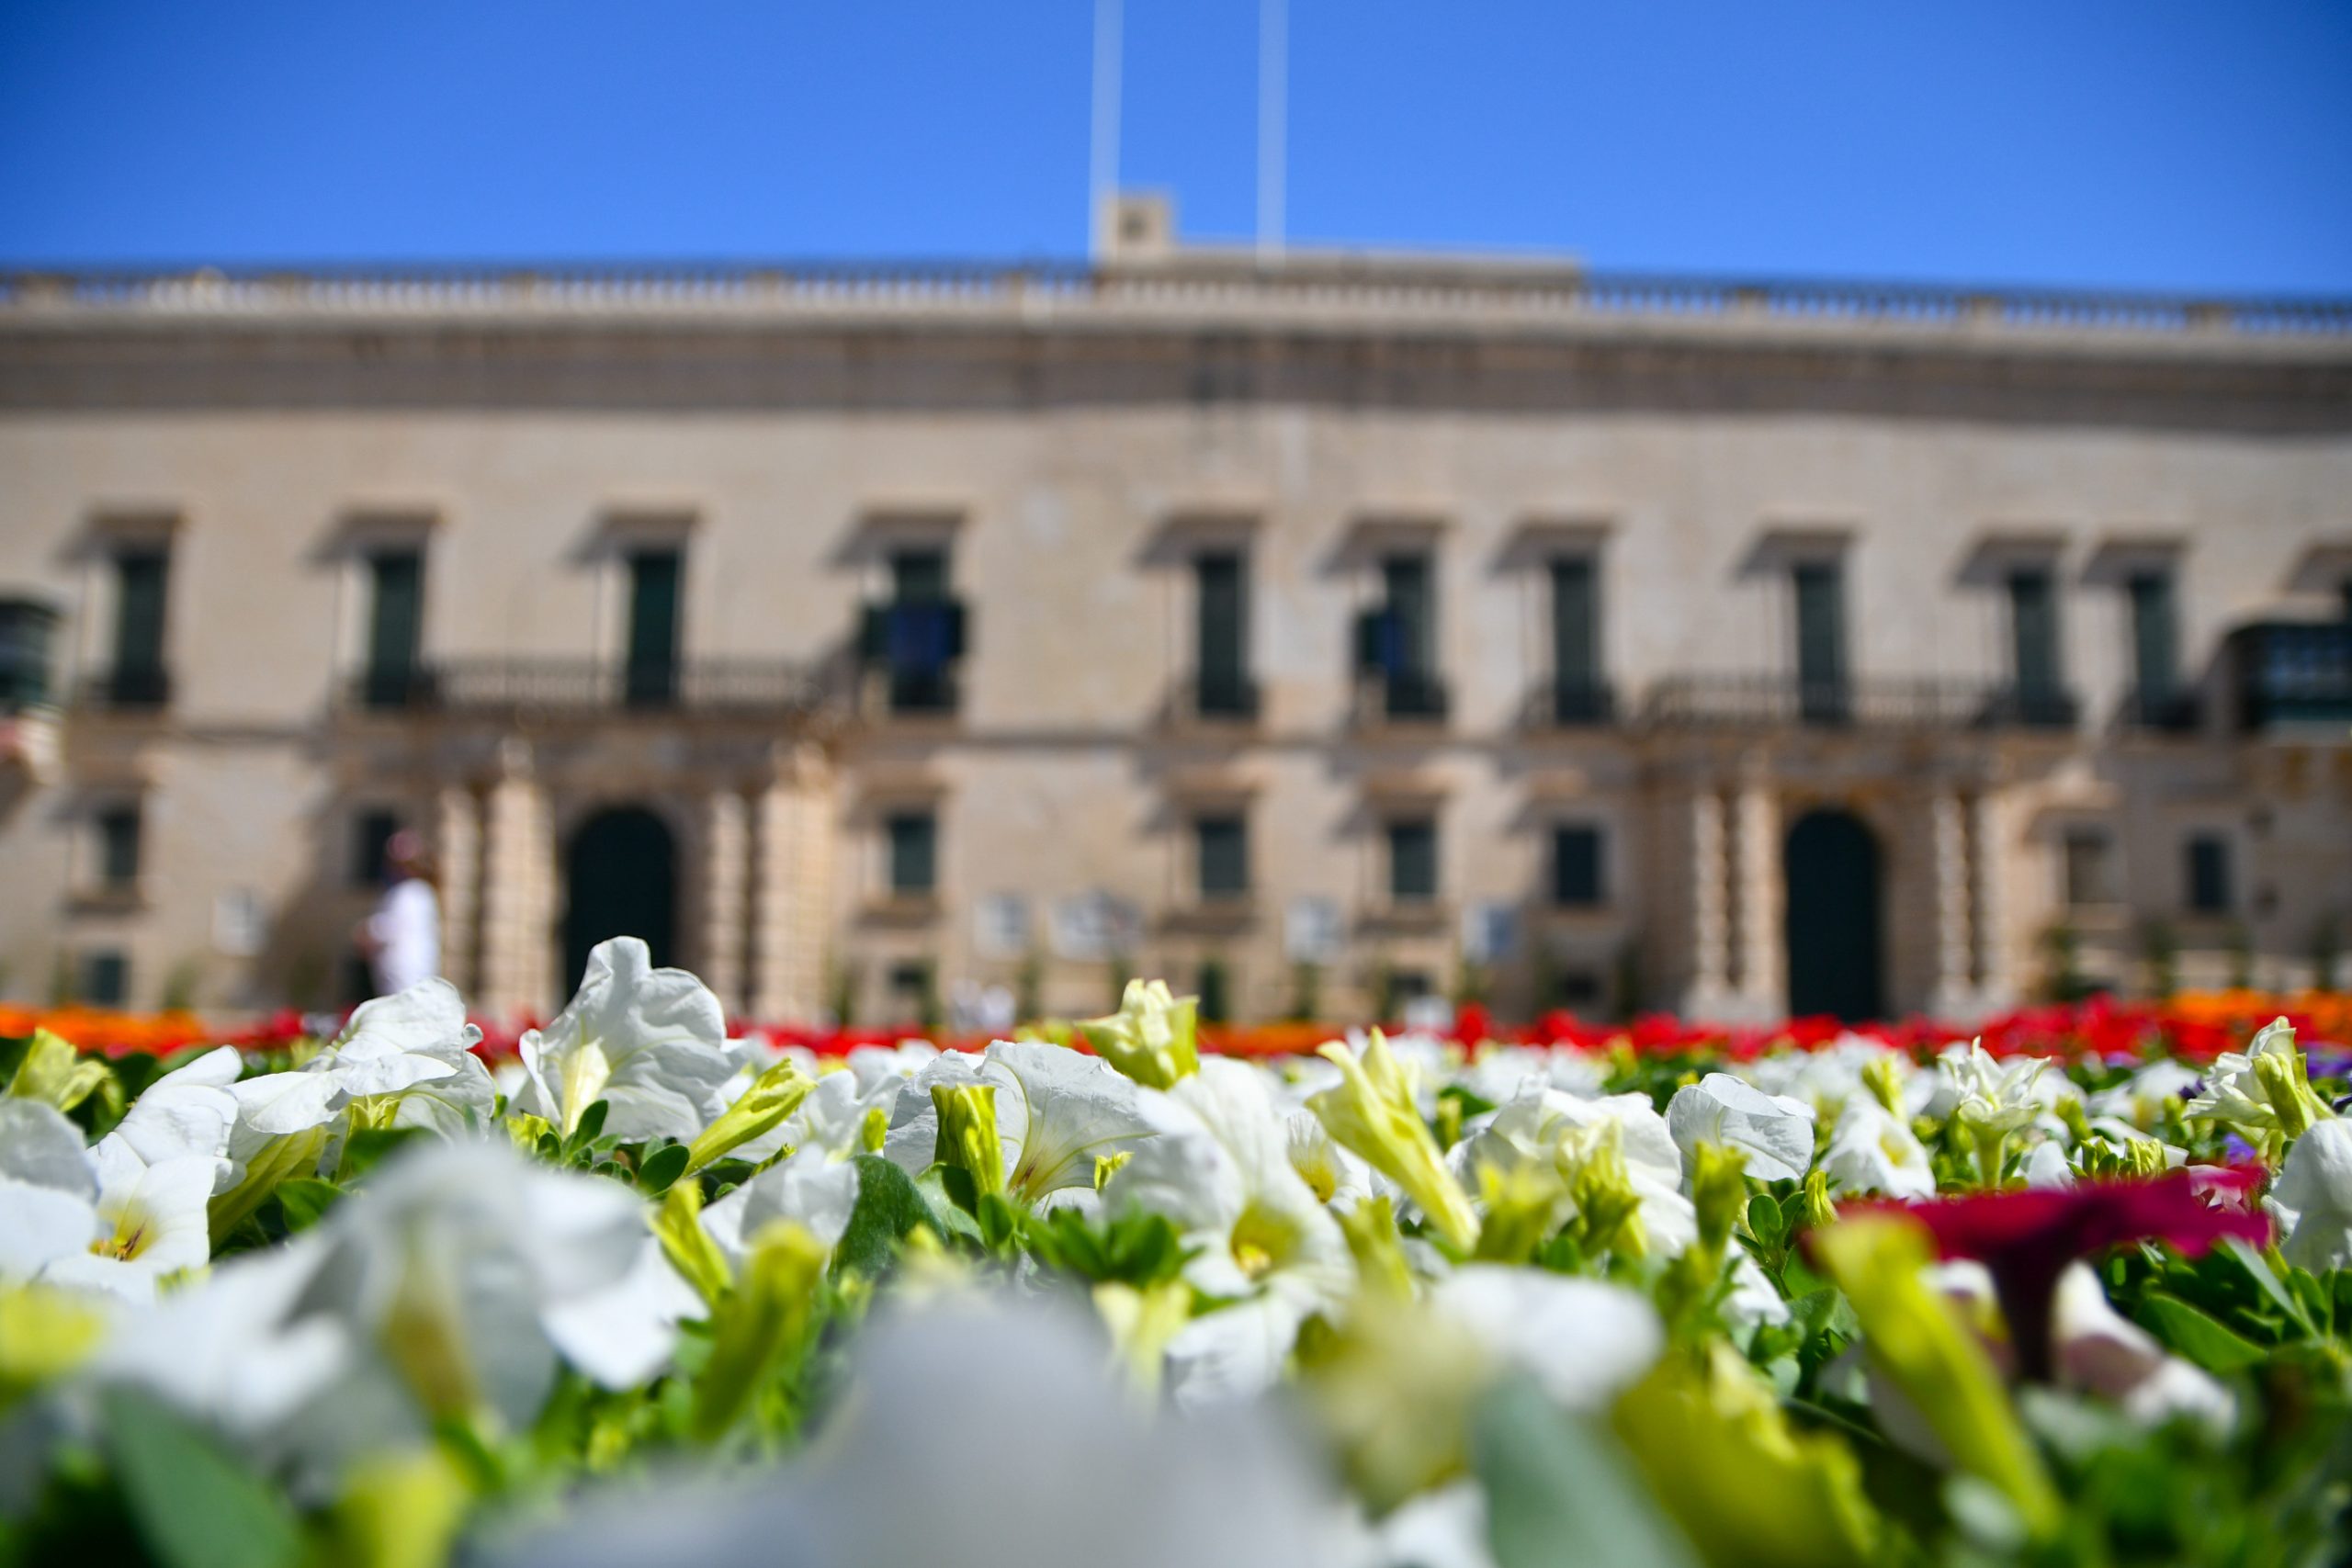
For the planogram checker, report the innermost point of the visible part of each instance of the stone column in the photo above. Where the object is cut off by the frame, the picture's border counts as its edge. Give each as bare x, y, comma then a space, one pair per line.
457, 843
1709, 926
1954, 995
792, 857
1756, 892
1996, 972
518, 891
727, 847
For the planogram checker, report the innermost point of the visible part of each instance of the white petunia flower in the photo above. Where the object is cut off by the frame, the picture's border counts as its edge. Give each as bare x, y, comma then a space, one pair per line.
1058, 1112
1543, 1123
1336, 1174
1219, 1167
1583, 1341
1775, 1132
103, 1219
406, 1060
1989, 1094
2315, 1187
1873, 1150
810, 1188
651, 1043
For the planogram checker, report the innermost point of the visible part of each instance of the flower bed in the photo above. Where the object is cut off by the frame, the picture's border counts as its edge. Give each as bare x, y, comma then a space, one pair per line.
643, 1289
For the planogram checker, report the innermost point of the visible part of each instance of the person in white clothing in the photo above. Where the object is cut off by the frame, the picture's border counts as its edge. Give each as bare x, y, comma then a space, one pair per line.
402, 939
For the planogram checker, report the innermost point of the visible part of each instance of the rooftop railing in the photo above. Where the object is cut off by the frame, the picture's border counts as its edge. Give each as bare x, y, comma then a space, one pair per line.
554, 686
1742, 700
1337, 282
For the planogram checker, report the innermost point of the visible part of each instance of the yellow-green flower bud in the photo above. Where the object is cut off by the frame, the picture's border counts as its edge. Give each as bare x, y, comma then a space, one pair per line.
968, 1135
773, 1096
1141, 1325
399, 1510
526, 1130
57, 1075
752, 1328
1525, 1205
688, 1246
1371, 1110
1884, 1083
873, 1130
2286, 1083
44, 1333
1154, 1038
1371, 1229
283, 1158
1820, 1212
1719, 1191
1600, 1188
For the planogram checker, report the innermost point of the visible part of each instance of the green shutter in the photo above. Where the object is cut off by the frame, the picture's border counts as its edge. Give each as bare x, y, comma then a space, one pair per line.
1575, 650
1413, 602
1224, 848
1575, 867
652, 674
919, 576
395, 625
143, 576
2153, 652
1821, 635
1223, 616
2033, 632
913, 852
1412, 860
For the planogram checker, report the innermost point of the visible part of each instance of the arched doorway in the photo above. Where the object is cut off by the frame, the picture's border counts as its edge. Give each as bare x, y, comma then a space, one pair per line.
1830, 865
621, 878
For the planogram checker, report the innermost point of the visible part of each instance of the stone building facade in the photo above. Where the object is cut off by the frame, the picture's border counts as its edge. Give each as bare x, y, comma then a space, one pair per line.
1321, 633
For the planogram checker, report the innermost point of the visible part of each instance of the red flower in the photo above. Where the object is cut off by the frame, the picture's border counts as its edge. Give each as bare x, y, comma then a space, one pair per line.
2025, 1239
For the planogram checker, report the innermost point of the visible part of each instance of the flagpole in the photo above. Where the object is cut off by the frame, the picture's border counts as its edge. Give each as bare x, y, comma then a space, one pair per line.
1273, 71
1103, 175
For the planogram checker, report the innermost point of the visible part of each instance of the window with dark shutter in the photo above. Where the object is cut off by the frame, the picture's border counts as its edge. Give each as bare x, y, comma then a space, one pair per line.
119, 845
652, 676
1223, 854
395, 625
913, 837
2209, 873
1575, 867
371, 834
2152, 647
1412, 860
1222, 678
106, 978
25, 628
1575, 640
1820, 588
2033, 638
141, 580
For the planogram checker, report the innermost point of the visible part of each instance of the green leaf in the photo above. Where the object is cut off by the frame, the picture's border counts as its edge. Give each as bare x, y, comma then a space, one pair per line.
662, 1168
193, 1504
591, 1127
2202, 1337
367, 1148
1764, 1222
304, 1199
2259, 1271
889, 1206
1559, 1495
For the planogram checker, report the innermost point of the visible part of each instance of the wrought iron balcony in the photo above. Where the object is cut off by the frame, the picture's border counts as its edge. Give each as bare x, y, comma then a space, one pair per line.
2168, 710
1217, 699
2288, 673
585, 686
1400, 697
131, 688
1571, 705
1742, 700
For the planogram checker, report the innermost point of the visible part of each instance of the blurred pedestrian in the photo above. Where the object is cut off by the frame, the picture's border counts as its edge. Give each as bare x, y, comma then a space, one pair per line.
402, 939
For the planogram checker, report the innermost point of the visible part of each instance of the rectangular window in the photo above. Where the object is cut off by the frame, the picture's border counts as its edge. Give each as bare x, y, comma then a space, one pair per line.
652, 676
1223, 676
106, 978
2033, 642
25, 627
1222, 846
141, 580
1575, 641
1820, 588
1397, 642
371, 834
2088, 868
1575, 867
915, 843
2209, 875
119, 835
2154, 658
1412, 860
918, 635
395, 625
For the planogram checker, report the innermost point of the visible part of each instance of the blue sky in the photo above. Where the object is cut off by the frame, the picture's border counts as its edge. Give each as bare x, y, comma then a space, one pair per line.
2154, 143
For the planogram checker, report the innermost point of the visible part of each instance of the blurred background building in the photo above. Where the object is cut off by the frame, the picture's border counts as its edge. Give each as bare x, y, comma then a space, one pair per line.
1318, 632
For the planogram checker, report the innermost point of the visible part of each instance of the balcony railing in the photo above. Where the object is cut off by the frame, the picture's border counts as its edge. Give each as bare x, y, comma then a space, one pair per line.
130, 689
1217, 699
1400, 697
2288, 673
571, 685
1738, 701
2164, 710
1571, 705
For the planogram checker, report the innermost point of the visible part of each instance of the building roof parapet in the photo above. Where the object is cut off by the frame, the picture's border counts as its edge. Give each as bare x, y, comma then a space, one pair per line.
1206, 290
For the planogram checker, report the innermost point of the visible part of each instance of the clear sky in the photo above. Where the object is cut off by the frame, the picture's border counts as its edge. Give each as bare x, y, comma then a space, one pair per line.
2201, 144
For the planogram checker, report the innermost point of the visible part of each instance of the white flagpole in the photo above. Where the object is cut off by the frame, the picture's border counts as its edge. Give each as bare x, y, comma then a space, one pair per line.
1103, 176
1273, 70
